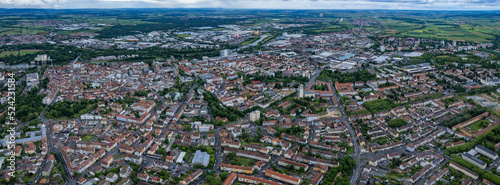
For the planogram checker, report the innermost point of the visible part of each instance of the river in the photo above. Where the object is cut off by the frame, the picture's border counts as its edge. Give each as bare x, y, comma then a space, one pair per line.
16, 66
254, 43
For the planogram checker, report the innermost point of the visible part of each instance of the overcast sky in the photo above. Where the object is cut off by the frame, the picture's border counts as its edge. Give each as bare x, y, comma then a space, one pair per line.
261, 4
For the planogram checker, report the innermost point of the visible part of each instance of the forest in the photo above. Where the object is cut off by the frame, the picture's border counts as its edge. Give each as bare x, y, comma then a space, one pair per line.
61, 54
163, 24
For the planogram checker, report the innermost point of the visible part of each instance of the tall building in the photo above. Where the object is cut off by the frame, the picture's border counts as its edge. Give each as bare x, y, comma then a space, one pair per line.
42, 58
454, 43
382, 48
224, 52
255, 115
301, 91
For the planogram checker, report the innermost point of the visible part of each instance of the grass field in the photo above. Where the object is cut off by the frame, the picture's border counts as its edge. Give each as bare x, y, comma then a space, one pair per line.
20, 31
67, 32
448, 32
250, 40
244, 161
476, 126
218, 29
88, 138
22, 52
183, 35
442, 29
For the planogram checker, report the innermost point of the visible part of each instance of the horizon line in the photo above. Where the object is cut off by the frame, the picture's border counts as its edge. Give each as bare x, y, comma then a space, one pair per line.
220, 8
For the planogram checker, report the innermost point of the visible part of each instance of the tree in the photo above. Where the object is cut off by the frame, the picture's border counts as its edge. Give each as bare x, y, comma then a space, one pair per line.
218, 180
224, 175
209, 179
395, 123
231, 155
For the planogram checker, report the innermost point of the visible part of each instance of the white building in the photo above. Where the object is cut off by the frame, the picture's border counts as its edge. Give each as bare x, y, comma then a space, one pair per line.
203, 127
42, 58
255, 115
202, 158
224, 52
486, 152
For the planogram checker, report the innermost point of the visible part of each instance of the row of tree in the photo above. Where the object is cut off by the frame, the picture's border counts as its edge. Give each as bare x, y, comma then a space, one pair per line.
222, 111
357, 76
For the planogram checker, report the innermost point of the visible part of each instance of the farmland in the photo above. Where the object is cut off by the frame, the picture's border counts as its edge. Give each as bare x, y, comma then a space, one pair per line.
21, 52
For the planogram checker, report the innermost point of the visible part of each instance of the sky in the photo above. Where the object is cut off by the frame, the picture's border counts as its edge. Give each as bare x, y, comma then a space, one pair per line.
260, 4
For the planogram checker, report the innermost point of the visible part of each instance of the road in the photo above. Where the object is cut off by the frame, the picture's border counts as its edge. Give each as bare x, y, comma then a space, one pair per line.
357, 151
432, 172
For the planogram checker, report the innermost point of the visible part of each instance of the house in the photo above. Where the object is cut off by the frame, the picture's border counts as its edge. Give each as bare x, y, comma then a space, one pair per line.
125, 181
107, 161
281, 177
486, 152
464, 170
82, 180
311, 117
30, 149
259, 165
170, 159
111, 177
248, 154
156, 179
255, 180
48, 166
296, 165
192, 177
125, 171
235, 168
267, 123
204, 127
143, 176
230, 179
316, 179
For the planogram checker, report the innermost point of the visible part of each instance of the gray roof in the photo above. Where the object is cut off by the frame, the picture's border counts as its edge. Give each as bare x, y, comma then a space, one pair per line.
479, 161
201, 157
486, 150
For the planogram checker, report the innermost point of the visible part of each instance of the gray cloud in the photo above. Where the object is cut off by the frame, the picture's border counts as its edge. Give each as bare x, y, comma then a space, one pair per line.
264, 4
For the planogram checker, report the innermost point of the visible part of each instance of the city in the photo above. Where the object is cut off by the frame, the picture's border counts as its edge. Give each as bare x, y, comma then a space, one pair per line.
202, 97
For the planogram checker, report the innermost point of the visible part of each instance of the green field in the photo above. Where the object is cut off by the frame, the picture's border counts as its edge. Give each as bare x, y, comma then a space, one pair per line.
88, 138
22, 52
448, 32
441, 28
183, 35
218, 29
242, 161
479, 125
250, 40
